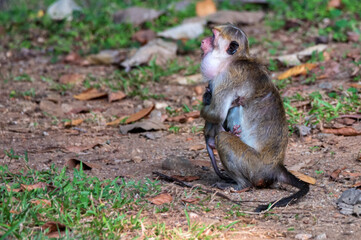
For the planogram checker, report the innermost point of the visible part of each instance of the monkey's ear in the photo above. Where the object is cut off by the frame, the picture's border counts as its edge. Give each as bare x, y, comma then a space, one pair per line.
232, 49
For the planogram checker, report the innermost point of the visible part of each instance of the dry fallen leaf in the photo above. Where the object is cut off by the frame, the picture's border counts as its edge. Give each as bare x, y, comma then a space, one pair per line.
73, 58
297, 70
9, 189
355, 85
334, 4
159, 49
346, 131
139, 115
107, 57
303, 177
75, 163
241, 191
197, 147
144, 36
43, 202
186, 178
335, 174
351, 174
55, 229
205, 8
184, 31
190, 200
116, 122
31, 187
73, 122
115, 96
78, 149
161, 199
89, 94
142, 126
198, 90
183, 118
74, 78
136, 15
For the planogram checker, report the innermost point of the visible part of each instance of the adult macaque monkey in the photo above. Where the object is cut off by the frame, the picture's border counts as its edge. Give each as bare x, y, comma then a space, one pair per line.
245, 118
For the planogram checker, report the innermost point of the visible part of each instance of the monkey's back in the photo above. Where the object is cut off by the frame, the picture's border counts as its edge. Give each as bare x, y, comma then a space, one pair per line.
262, 117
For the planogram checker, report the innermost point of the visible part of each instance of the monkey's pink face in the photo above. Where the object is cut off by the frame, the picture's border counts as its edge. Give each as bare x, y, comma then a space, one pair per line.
207, 44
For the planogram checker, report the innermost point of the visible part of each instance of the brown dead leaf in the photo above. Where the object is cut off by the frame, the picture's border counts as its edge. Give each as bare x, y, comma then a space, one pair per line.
161, 199
89, 94
353, 36
117, 121
206, 7
346, 121
190, 200
144, 36
73, 58
43, 202
303, 177
357, 185
73, 122
346, 131
198, 90
334, 4
139, 115
184, 118
351, 174
143, 126
78, 149
9, 189
241, 191
355, 85
326, 56
115, 96
355, 55
201, 163
55, 229
197, 147
297, 70
72, 78
31, 187
186, 178
75, 163
335, 174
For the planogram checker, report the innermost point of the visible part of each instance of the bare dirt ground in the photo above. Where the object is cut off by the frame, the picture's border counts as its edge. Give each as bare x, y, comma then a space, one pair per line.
24, 127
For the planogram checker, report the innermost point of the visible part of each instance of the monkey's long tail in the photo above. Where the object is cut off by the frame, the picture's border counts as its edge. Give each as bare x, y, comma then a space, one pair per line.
214, 164
286, 177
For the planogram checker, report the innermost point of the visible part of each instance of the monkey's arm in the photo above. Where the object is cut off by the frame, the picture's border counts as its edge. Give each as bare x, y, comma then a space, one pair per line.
217, 111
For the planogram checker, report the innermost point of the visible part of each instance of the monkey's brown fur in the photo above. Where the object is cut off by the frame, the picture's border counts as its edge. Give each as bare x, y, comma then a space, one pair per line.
256, 157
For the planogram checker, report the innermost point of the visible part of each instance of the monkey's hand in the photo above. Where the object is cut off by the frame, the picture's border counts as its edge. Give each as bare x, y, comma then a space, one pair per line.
207, 96
236, 130
239, 101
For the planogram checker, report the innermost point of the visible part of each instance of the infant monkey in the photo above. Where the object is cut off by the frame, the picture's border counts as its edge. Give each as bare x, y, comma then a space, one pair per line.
245, 118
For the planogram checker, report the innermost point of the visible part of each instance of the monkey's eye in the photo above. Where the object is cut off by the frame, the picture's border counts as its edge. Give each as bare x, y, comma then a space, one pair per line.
232, 49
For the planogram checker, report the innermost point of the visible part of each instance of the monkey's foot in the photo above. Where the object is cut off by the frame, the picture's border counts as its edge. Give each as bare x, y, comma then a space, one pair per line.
236, 130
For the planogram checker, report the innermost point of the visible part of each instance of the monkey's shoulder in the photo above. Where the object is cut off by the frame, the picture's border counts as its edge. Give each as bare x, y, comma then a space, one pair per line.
250, 68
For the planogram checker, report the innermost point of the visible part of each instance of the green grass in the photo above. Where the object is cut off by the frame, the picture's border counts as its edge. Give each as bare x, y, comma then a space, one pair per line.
315, 11
89, 208
90, 31
324, 107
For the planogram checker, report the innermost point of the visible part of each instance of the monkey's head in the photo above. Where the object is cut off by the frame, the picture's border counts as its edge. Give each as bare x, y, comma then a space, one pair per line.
227, 44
